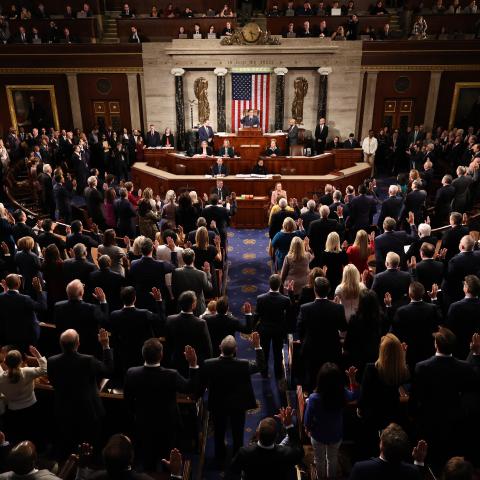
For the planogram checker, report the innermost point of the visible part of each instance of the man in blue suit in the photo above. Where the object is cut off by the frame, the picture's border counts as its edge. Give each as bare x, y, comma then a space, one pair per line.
250, 120
205, 133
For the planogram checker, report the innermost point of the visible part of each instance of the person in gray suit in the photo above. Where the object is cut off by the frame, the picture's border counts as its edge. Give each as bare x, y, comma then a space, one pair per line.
190, 278
292, 134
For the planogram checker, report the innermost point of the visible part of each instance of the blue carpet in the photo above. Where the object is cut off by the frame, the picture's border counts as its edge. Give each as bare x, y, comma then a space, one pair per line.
248, 277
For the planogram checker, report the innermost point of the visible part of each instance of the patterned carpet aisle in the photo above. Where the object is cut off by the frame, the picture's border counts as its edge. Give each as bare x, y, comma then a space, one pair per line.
248, 277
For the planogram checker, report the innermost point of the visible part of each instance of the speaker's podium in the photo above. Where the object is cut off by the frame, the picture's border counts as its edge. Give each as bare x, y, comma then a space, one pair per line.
250, 132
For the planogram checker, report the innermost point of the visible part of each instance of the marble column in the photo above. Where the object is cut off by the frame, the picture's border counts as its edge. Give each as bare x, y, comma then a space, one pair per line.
221, 106
179, 106
72, 81
133, 99
280, 72
432, 98
369, 103
323, 92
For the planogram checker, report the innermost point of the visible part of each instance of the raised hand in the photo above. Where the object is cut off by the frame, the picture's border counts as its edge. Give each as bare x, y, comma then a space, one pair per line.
4, 248
411, 218
412, 263
340, 211
156, 294
37, 284
475, 343
419, 452
352, 374
35, 353
206, 267
434, 292
387, 299
174, 463
285, 415
3, 283
365, 275
255, 340
190, 356
103, 338
99, 294
247, 308
170, 243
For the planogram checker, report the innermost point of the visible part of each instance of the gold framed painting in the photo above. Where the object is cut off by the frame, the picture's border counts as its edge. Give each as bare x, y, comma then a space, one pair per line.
465, 110
33, 106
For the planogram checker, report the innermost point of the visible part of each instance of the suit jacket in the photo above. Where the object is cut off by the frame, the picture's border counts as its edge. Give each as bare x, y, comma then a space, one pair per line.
391, 207
171, 140
63, 197
20, 230
152, 140
258, 463
292, 135
414, 324
220, 215
362, 209
111, 283
219, 170
189, 278
186, 329
83, 317
378, 469
146, 273
38, 475
89, 241
19, 324
271, 313
229, 152
250, 122
131, 327
428, 272
81, 269
318, 232
451, 240
351, 144
308, 217
415, 202
126, 217
205, 133
463, 320
220, 326
277, 220
318, 325
94, 200
47, 238
229, 383
74, 378
151, 396
392, 242
393, 281
443, 200
414, 249
461, 265
321, 136
461, 185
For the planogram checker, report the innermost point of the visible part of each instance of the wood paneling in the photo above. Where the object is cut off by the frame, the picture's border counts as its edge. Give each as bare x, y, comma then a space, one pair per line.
445, 93
87, 87
464, 23
417, 91
61, 93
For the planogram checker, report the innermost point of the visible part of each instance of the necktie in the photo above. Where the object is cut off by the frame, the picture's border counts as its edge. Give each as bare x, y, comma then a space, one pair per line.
174, 259
220, 194
168, 142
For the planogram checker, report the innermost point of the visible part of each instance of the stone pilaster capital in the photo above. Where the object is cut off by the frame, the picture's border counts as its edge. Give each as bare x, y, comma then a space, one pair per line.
220, 71
177, 72
324, 70
280, 71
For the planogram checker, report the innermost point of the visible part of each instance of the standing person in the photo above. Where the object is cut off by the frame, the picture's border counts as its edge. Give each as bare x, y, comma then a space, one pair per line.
324, 416
292, 134
125, 215
334, 257
296, 265
321, 135
362, 248
230, 391
271, 317
369, 146
348, 291
77, 407
282, 240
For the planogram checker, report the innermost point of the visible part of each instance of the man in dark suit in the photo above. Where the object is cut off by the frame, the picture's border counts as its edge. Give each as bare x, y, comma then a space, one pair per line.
265, 458
152, 138
83, 317
451, 238
292, 134
190, 278
131, 327
361, 210
94, 201
391, 207
212, 232
230, 391
443, 201
271, 318
19, 324
47, 237
186, 329
63, 194
393, 241
77, 236
461, 185
276, 220
46, 185
223, 323
391, 465
392, 281
20, 228
463, 317
126, 215
205, 133
146, 273
321, 135
81, 168
310, 215
416, 135
219, 214
415, 323
134, 35
318, 326
424, 236
219, 169
319, 229
250, 119
220, 190
78, 267
415, 202
428, 271
351, 142
226, 150
438, 385
467, 262
150, 394
22, 36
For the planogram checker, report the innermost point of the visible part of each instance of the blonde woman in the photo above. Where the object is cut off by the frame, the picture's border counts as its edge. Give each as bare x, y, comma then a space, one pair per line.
277, 193
296, 265
348, 292
17, 384
379, 401
196, 203
169, 208
281, 241
134, 252
334, 258
362, 248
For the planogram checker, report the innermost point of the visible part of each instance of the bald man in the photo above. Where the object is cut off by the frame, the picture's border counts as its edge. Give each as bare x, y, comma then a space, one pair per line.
20, 327
78, 409
230, 391
85, 318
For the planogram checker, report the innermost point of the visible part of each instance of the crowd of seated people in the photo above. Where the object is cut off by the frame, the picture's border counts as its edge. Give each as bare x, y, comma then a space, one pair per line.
402, 322
172, 12
322, 9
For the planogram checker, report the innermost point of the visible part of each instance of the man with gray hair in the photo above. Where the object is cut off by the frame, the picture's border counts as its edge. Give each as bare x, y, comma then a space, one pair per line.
94, 201
424, 236
81, 316
461, 184
310, 215
319, 229
231, 394
46, 186
276, 220
212, 230
391, 207
78, 267
416, 202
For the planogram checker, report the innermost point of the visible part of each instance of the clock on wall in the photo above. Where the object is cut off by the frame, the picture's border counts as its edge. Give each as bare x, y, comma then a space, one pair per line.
251, 32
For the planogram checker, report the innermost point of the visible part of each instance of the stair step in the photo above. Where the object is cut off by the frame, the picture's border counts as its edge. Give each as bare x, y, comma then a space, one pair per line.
110, 40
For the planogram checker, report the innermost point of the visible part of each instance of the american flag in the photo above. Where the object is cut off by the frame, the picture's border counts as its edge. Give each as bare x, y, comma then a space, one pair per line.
250, 90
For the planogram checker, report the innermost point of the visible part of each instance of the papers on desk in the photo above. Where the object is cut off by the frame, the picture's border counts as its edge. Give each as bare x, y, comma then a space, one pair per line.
208, 176
160, 148
252, 175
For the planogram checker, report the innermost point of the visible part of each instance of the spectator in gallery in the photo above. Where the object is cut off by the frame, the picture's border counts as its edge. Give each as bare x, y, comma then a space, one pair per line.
306, 10
226, 150
323, 31
4, 30
439, 7
306, 32
290, 10
370, 32
127, 12
188, 13
228, 30
339, 34
335, 6
25, 14
385, 33
169, 12
472, 7
181, 31
321, 9
351, 142
211, 31
13, 14
68, 37
41, 12
349, 8
196, 30
273, 150
274, 11
68, 12
226, 11
85, 12
168, 140
378, 9
154, 12
419, 31
290, 33
22, 36
455, 7
259, 168
352, 27
134, 35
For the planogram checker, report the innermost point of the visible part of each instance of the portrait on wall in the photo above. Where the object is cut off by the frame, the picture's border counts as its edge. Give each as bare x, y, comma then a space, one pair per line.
465, 106
32, 106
